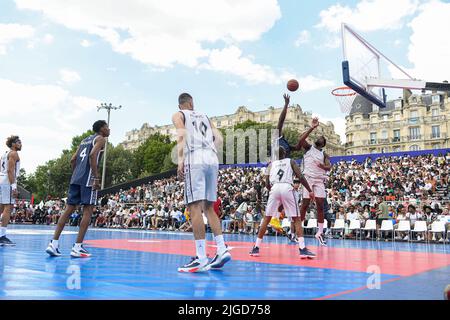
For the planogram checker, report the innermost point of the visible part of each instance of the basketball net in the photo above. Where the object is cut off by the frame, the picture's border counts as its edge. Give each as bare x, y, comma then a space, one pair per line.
345, 97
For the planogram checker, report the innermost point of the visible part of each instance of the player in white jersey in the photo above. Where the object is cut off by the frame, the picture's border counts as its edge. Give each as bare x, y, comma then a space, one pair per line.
198, 165
280, 174
316, 163
9, 171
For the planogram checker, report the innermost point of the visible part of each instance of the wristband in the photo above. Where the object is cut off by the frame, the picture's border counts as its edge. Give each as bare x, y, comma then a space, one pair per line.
14, 186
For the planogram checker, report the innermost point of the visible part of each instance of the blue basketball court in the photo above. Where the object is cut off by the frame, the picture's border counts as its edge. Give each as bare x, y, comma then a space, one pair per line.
136, 265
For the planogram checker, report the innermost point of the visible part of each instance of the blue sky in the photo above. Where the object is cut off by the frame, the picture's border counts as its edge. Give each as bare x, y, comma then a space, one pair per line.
59, 59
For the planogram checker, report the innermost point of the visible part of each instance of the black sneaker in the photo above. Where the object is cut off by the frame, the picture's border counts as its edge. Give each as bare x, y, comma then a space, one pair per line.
255, 252
305, 253
4, 241
219, 260
195, 265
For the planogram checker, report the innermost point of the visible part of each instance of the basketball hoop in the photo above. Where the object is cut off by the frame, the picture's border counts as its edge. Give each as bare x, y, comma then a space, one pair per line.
345, 97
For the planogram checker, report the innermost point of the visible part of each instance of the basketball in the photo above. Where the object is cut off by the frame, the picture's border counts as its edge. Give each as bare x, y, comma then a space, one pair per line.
292, 85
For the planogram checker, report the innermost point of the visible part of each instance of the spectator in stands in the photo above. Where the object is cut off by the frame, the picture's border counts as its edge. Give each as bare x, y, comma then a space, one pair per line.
100, 222
175, 219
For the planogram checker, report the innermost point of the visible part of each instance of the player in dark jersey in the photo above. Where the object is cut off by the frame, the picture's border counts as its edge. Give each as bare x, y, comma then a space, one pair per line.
83, 188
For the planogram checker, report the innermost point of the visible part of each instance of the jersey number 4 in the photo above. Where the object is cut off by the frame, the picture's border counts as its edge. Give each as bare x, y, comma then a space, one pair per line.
83, 154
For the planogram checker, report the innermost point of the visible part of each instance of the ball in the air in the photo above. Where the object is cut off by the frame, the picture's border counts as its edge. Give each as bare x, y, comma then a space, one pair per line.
292, 85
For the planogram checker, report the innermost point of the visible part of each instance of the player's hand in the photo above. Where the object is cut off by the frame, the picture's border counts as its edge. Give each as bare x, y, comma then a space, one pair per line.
287, 98
322, 166
180, 171
315, 122
312, 197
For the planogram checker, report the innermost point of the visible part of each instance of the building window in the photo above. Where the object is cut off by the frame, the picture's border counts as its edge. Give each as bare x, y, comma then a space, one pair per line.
398, 104
436, 99
230, 122
219, 123
414, 117
414, 148
414, 133
384, 134
385, 117
435, 132
397, 117
436, 146
373, 138
396, 149
396, 135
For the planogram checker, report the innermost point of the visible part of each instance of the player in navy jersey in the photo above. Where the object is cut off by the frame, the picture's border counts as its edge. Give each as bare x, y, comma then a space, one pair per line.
84, 184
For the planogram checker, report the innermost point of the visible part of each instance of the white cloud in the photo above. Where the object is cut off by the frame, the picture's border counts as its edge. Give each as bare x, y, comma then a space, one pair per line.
230, 60
368, 15
69, 76
163, 33
46, 117
11, 32
48, 39
429, 48
85, 43
303, 38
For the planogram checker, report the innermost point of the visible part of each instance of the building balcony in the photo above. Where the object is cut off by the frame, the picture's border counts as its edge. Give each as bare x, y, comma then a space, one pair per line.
415, 138
349, 144
416, 120
438, 136
396, 139
372, 141
383, 140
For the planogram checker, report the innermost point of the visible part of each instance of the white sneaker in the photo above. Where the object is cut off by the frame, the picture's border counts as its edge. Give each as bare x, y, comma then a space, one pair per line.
418, 238
79, 252
441, 240
406, 238
321, 240
52, 250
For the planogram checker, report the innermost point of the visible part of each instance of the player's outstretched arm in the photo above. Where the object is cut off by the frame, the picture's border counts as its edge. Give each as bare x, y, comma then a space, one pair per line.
326, 165
283, 114
100, 142
302, 143
178, 122
302, 179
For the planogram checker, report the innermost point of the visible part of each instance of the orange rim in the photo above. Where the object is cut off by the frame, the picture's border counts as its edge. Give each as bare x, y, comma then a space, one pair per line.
336, 92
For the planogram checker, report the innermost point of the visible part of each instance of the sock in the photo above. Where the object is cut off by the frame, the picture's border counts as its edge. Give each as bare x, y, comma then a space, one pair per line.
55, 243
301, 243
200, 247
2, 231
320, 228
258, 242
220, 244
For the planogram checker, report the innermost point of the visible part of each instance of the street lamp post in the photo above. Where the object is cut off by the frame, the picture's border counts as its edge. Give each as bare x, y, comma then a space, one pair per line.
108, 108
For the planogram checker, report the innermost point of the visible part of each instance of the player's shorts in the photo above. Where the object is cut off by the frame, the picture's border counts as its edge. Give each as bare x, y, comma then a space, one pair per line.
81, 195
317, 186
282, 193
6, 194
200, 181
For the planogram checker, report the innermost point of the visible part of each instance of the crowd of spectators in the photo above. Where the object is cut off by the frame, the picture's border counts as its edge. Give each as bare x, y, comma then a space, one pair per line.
388, 188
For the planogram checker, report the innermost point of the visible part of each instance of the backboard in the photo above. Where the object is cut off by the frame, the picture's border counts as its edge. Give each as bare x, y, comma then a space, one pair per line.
367, 71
